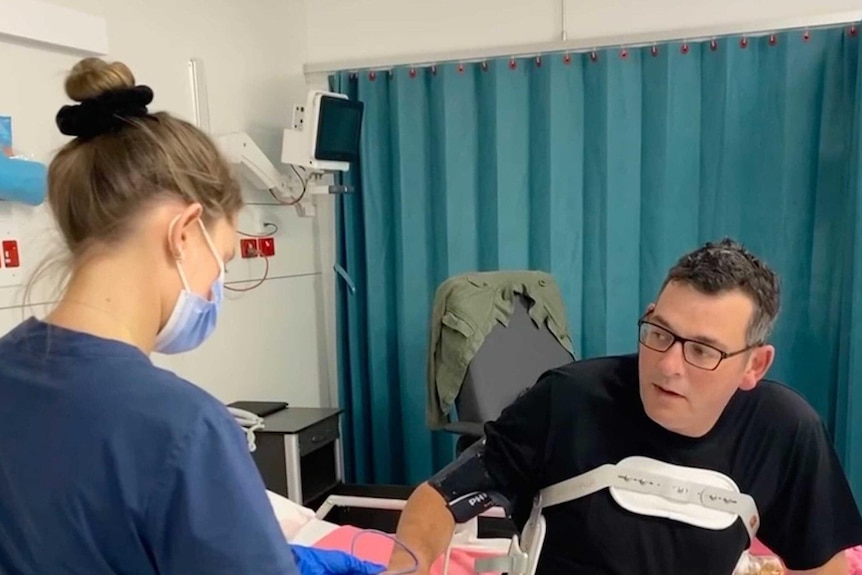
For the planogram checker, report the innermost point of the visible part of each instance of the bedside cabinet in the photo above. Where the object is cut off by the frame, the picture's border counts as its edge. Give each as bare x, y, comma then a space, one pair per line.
299, 452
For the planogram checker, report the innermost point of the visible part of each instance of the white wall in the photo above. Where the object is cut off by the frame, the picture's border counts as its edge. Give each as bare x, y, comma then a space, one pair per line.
276, 342
270, 343
341, 30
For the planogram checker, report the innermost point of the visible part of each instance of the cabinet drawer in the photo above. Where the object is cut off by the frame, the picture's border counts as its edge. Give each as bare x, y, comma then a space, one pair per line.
318, 435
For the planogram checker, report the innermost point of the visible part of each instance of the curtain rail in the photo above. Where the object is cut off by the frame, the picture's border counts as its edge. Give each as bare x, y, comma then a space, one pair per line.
587, 44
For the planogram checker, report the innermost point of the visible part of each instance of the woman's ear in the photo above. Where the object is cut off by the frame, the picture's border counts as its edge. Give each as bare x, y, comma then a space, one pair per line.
179, 229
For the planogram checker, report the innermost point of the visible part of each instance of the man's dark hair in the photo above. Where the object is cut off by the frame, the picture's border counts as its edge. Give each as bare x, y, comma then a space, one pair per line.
719, 267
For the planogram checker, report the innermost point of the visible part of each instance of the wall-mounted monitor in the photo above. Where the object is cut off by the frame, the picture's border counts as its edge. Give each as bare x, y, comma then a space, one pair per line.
328, 134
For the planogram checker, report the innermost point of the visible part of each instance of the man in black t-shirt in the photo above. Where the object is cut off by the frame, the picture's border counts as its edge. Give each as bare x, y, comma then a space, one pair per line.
693, 397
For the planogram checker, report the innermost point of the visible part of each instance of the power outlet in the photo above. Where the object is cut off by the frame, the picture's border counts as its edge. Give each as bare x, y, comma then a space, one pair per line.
13, 256
10, 254
266, 246
248, 248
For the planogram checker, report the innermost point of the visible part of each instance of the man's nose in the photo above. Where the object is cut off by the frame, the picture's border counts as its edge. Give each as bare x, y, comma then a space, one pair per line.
672, 361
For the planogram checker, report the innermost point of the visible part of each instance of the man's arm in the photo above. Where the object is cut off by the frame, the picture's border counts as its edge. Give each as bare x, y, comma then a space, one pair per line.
835, 566
459, 492
425, 527
506, 463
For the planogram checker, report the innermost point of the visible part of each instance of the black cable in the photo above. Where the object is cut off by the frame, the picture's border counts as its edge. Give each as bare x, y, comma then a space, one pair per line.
301, 195
265, 235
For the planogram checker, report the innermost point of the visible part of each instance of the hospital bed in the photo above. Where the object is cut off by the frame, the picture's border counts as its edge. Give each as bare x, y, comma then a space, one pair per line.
466, 535
307, 527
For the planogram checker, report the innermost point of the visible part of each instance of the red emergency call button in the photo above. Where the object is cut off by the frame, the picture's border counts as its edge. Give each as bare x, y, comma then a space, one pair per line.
10, 254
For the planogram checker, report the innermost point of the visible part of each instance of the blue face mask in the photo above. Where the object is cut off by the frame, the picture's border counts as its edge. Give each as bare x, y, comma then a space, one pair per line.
193, 318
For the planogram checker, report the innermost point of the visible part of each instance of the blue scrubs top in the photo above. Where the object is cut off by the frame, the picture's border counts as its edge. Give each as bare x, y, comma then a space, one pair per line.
110, 465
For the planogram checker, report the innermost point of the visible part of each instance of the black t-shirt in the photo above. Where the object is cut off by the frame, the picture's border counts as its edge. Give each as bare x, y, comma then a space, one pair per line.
769, 440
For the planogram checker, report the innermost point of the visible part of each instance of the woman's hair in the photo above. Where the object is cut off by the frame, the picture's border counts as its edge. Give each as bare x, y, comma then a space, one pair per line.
97, 185
124, 159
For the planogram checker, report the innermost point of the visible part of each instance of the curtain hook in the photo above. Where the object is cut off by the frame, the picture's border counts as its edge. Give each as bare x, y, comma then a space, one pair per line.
743, 43
806, 36
513, 64
567, 58
538, 61
372, 75
594, 56
684, 48
773, 39
484, 66
434, 69
713, 45
624, 54
460, 68
412, 72
654, 50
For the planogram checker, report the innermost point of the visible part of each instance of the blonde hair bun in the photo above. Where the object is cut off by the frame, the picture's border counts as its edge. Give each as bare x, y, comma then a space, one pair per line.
92, 77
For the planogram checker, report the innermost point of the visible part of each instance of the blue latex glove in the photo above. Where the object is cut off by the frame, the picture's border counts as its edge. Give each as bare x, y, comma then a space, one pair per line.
312, 561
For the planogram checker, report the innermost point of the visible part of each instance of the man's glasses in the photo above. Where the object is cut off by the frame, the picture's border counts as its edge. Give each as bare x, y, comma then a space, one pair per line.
698, 354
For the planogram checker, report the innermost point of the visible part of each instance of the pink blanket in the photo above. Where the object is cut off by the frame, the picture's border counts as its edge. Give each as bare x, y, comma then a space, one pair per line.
378, 549
854, 556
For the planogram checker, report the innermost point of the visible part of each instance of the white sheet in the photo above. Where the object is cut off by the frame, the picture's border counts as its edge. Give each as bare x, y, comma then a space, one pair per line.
291, 516
312, 532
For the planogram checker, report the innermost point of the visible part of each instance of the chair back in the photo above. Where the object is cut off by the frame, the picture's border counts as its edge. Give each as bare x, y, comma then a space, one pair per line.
511, 360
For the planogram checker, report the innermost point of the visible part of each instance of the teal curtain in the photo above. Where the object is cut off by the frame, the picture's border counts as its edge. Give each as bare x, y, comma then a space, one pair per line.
602, 169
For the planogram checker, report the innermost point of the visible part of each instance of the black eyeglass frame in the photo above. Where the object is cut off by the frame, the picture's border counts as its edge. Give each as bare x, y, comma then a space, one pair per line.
683, 340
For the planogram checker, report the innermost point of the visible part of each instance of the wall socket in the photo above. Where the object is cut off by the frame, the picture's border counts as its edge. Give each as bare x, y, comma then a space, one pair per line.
10, 241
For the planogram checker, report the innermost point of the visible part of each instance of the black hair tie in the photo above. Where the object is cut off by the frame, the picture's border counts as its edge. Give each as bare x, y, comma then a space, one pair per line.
104, 113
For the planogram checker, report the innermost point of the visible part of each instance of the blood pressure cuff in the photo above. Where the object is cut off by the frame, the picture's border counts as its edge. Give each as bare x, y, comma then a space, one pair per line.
467, 487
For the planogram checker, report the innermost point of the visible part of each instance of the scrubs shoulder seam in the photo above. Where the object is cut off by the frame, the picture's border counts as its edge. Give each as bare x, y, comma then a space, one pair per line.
171, 462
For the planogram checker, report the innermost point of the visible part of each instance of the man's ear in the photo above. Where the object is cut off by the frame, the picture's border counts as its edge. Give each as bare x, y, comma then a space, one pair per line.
649, 309
759, 362
178, 230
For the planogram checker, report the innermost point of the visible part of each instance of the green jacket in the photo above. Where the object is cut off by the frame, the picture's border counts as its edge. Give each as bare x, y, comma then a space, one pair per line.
466, 309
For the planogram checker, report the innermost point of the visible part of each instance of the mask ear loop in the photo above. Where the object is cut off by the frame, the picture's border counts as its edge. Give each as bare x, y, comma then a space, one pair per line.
211, 246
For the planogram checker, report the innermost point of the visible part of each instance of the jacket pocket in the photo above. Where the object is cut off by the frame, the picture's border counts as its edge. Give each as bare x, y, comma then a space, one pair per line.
455, 336
453, 357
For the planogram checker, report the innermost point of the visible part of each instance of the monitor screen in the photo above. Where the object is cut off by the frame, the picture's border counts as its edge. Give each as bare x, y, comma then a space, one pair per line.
338, 130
